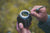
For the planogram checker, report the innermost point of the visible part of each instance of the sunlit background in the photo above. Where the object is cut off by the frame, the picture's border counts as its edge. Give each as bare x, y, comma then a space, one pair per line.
9, 10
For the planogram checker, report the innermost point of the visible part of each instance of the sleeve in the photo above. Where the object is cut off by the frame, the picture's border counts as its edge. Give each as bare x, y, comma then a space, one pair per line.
45, 25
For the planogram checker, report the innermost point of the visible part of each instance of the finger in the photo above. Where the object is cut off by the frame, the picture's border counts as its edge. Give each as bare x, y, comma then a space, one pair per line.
21, 26
35, 14
36, 7
33, 9
17, 27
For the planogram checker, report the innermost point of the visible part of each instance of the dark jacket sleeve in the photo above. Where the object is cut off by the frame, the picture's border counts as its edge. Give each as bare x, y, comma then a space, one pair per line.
45, 26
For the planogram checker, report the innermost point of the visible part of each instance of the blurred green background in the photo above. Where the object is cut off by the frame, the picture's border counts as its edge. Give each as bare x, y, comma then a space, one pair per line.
9, 10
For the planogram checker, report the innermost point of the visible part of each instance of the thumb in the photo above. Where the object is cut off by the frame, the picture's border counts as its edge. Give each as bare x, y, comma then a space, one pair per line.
21, 26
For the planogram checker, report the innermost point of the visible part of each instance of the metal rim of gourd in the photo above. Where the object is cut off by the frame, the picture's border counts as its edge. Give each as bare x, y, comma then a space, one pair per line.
24, 17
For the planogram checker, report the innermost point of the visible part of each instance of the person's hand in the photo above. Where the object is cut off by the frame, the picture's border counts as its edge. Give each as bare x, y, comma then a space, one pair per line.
21, 29
42, 15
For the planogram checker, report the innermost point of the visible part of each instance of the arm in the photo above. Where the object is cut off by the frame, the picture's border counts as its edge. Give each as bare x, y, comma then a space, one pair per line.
45, 25
43, 18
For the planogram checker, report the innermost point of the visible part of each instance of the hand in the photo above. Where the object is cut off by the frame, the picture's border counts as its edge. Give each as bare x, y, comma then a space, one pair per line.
21, 29
42, 15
